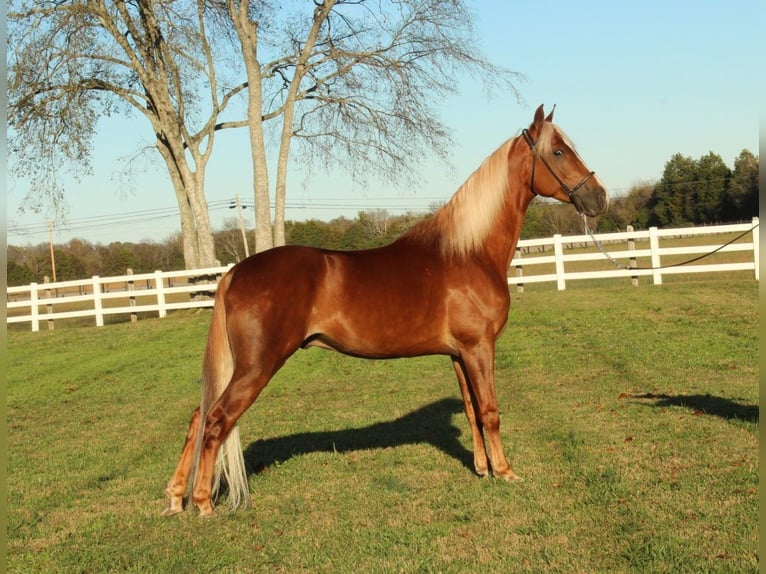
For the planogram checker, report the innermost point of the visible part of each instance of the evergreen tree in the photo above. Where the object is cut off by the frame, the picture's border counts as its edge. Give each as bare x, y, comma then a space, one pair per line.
743, 188
712, 179
673, 198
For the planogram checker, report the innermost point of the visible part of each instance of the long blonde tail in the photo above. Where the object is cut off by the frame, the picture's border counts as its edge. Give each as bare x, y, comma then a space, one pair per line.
217, 370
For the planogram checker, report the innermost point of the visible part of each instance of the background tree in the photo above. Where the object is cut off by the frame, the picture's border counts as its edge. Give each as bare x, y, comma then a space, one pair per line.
87, 254
711, 187
70, 63
230, 247
312, 232
705, 191
19, 275
672, 201
744, 186
351, 79
351, 82
117, 257
631, 209
68, 265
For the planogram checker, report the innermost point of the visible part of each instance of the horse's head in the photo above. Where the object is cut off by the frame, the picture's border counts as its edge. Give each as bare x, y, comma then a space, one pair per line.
563, 174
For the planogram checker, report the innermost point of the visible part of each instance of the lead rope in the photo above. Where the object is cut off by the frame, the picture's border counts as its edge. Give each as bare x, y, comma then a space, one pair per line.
616, 263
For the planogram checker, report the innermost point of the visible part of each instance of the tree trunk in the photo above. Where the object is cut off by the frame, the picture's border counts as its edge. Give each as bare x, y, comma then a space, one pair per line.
247, 32
281, 187
288, 115
196, 232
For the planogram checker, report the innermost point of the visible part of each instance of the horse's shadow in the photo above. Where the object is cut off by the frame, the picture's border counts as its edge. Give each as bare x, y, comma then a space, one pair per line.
431, 424
705, 404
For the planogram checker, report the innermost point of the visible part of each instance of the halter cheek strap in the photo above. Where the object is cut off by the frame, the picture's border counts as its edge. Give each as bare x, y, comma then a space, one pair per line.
569, 191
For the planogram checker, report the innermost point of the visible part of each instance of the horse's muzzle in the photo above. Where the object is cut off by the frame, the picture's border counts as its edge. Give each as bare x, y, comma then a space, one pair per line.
590, 199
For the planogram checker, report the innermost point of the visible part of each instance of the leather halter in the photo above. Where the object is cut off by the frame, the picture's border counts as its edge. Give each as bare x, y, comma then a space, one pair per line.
569, 191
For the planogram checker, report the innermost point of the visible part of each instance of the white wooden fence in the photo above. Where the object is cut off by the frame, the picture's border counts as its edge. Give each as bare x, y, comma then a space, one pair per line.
654, 256
157, 292
163, 291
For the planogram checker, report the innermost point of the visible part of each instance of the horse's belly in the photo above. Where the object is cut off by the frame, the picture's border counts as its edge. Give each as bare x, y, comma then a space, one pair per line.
380, 336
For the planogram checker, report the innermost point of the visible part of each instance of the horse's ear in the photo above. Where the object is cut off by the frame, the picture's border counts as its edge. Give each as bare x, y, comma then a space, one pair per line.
537, 124
549, 117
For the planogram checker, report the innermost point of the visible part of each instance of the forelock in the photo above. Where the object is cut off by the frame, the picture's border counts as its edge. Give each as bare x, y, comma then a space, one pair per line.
545, 138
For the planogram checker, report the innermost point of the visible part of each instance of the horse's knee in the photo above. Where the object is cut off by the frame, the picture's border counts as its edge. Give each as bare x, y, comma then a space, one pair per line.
490, 420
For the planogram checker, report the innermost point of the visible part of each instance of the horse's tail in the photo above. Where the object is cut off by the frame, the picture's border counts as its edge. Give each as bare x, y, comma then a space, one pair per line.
217, 370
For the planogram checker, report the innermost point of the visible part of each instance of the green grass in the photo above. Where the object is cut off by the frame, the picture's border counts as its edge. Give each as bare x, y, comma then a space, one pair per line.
631, 413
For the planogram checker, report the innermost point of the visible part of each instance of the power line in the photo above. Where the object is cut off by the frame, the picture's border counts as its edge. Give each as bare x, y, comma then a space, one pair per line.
338, 204
105, 221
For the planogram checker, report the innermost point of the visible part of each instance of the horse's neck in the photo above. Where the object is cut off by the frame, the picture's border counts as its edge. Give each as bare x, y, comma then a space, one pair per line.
500, 244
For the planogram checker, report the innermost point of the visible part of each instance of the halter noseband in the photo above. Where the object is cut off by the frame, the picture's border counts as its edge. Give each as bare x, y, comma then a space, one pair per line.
569, 191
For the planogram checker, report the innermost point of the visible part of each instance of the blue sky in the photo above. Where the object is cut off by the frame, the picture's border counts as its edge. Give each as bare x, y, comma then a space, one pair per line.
634, 83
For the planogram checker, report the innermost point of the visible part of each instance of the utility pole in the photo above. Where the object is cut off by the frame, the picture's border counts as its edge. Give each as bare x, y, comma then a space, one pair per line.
50, 242
242, 226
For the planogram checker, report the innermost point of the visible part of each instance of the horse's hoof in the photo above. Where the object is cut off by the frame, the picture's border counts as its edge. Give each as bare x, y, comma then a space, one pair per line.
509, 476
175, 504
171, 511
512, 478
206, 510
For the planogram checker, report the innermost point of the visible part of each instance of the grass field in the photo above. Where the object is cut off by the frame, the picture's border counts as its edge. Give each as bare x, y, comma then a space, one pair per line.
631, 413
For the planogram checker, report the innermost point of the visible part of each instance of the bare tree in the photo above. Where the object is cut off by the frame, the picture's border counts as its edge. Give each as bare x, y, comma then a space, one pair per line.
352, 81
376, 221
72, 62
230, 241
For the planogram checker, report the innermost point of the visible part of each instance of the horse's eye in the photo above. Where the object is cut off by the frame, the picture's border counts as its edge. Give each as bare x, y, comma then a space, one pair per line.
558, 153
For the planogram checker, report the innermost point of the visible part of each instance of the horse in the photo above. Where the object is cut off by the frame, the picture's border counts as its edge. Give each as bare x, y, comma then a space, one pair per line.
440, 289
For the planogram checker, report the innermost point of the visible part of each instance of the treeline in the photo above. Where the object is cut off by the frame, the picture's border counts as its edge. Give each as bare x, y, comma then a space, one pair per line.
78, 259
690, 192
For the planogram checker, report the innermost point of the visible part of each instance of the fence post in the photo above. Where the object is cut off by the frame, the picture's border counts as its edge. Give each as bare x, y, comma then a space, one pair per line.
632, 247
48, 307
132, 298
33, 311
97, 307
558, 251
654, 246
756, 249
160, 288
519, 271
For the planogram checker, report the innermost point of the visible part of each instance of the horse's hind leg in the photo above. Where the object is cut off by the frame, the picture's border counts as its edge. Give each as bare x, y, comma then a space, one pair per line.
177, 485
235, 400
480, 463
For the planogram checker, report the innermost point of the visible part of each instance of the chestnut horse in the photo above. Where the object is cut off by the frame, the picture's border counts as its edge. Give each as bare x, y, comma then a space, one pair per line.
439, 289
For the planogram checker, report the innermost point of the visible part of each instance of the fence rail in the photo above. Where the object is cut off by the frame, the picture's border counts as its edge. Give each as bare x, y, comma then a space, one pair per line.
561, 259
104, 296
648, 261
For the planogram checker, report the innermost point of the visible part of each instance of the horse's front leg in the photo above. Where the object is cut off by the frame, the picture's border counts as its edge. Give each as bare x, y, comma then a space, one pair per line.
177, 485
480, 462
479, 368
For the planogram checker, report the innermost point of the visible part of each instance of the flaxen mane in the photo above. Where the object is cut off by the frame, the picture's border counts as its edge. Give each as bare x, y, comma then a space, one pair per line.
461, 226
